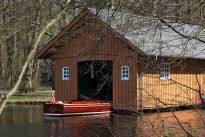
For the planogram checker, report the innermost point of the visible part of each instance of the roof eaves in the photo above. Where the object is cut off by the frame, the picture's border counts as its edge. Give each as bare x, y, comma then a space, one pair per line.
42, 53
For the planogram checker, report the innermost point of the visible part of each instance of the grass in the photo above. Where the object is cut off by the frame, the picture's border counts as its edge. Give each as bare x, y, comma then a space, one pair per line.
38, 96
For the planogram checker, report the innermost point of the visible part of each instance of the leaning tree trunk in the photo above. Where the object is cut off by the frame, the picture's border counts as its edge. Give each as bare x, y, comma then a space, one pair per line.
31, 55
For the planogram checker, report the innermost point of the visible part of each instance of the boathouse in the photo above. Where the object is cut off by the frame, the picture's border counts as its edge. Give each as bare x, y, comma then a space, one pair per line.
131, 61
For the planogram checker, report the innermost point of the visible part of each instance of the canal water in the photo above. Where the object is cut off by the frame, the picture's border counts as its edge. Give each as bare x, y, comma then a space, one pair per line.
29, 121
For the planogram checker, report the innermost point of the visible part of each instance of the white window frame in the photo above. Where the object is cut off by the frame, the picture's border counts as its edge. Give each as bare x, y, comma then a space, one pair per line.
124, 73
164, 71
65, 73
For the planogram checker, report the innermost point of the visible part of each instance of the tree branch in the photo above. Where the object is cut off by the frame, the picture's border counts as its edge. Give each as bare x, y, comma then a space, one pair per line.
31, 55
176, 31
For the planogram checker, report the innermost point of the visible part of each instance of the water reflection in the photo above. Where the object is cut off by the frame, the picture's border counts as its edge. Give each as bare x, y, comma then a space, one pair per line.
78, 126
177, 123
92, 126
29, 121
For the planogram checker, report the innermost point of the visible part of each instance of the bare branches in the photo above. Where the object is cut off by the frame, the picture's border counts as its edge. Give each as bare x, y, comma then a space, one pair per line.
31, 55
5, 6
132, 21
178, 32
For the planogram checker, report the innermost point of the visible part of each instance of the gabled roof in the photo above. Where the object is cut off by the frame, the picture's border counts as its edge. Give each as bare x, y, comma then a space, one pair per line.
155, 38
48, 50
146, 34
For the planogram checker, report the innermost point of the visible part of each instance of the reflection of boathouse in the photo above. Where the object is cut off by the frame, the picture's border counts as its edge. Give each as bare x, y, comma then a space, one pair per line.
96, 58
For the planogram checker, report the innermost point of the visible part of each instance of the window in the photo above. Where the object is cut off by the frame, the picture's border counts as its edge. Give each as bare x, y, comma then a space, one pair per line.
164, 71
65, 73
124, 73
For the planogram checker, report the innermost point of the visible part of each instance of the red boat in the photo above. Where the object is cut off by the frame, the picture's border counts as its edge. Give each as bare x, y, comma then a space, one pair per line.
70, 108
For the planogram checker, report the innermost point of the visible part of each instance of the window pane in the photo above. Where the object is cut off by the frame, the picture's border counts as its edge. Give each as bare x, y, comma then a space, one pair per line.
65, 73
124, 73
164, 71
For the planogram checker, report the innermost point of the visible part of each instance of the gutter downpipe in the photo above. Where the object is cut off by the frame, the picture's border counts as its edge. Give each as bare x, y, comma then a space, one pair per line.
142, 101
141, 90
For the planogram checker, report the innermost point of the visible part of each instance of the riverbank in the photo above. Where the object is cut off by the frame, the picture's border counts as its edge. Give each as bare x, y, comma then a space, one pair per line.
30, 98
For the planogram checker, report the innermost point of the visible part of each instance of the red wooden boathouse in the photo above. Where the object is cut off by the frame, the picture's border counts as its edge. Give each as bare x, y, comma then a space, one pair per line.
95, 59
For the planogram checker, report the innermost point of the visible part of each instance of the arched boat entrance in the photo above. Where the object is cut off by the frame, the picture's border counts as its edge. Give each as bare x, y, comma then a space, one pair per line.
95, 80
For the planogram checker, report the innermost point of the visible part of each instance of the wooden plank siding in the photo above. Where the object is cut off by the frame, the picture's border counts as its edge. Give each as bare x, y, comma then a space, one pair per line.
179, 90
90, 39
87, 48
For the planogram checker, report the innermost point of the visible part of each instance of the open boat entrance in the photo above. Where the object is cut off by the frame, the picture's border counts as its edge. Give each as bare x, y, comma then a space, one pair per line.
95, 80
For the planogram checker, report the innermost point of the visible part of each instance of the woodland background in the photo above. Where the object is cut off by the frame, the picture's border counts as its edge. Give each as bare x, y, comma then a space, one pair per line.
22, 20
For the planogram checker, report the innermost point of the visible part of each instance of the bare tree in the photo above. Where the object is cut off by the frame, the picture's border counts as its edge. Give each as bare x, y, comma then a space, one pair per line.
172, 27
32, 53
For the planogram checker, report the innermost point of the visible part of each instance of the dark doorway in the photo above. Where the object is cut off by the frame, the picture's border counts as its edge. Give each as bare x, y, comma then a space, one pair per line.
95, 80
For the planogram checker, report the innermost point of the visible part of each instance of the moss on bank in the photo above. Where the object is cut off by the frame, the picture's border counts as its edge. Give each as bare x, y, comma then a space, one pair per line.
38, 96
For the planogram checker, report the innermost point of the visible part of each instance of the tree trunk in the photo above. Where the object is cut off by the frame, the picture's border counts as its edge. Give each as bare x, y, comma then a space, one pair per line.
31, 55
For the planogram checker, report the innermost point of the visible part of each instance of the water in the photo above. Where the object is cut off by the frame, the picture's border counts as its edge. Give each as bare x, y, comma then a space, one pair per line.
29, 121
